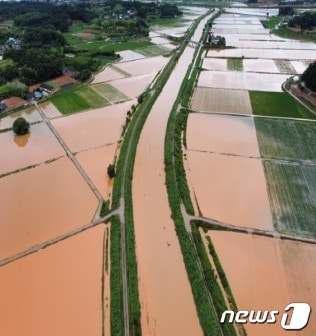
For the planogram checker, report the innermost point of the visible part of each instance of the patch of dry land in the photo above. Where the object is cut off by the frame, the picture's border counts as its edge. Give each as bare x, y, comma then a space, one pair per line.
42, 203
221, 100
268, 274
56, 291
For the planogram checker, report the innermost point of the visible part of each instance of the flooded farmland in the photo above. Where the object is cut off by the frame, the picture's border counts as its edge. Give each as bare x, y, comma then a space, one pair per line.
58, 200
22, 151
50, 110
266, 276
56, 291
93, 128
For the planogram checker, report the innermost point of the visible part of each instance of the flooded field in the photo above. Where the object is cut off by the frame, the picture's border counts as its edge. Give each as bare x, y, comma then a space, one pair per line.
108, 74
222, 134
93, 128
22, 151
144, 66
42, 203
95, 163
260, 65
264, 53
242, 81
49, 110
214, 64
266, 276
134, 86
30, 114
56, 291
230, 189
221, 100
130, 55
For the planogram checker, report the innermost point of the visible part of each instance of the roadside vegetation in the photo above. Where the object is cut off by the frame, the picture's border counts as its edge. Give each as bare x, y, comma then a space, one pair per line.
116, 304
277, 104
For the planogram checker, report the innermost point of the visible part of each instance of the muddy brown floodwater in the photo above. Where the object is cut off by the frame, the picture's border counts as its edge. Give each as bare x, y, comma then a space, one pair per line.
230, 189
93, 128
50, 110
268, 274
42, 203
166, 298
95, 163
25, 150
57, 291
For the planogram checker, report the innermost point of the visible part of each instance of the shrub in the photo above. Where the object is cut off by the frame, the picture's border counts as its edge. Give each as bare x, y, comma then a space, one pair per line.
21, 126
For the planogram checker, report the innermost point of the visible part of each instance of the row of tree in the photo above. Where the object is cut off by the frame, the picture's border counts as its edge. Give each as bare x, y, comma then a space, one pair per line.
309, 77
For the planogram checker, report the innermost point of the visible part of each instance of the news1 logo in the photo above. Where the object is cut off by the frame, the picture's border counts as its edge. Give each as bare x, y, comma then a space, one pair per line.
295, 316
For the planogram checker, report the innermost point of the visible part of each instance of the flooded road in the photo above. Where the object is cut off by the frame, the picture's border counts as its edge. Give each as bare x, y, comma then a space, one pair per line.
56, 291
166, 299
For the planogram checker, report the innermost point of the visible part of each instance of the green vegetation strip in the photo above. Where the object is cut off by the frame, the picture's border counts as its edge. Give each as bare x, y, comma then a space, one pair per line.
109, 92
177, 189
235, 64
292, 193
271, 22
116, 305
286, 139
155, 50
287, 33
277, 104
78, 98
127, 154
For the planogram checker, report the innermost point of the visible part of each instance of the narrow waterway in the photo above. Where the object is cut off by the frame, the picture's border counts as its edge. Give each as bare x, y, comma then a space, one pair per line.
166, 298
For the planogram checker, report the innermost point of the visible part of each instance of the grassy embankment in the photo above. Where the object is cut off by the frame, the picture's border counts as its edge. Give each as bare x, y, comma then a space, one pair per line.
277, 104
177, 191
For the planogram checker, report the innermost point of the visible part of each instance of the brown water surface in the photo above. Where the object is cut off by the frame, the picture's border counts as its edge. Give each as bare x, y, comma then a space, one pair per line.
93, 128
95, 163
49, 110
268, 274
41, 203
231, 189
222, 134
56, 291
107, 75
29, 149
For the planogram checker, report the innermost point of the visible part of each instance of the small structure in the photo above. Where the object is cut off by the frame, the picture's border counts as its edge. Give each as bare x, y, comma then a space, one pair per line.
3, 107
215, 40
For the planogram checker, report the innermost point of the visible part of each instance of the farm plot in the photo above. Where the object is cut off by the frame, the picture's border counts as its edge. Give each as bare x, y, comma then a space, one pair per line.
285, 66
130, 55
222, 80
108, 74
110, 93
223, 134
286, 139
277, 104
78, 99
214, 64
300, 67
260, 65
221, 100
292, 197
235, 64
49, 110
154, 50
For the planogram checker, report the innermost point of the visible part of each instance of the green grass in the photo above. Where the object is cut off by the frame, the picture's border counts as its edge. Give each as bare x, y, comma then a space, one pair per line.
286, 139
271, 22
292, 194
168, 22
77, 99
109, 92
287, 33
151, 51
278, 104
235, 64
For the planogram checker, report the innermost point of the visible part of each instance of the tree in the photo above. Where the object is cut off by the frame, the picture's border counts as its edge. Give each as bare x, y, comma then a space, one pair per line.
21, 126
309, 77
111, 170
